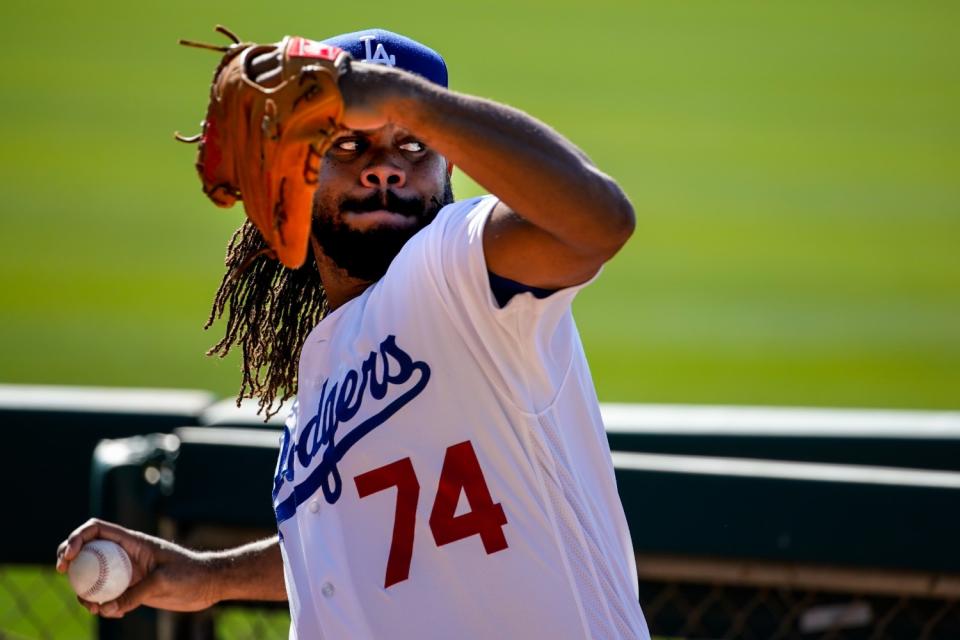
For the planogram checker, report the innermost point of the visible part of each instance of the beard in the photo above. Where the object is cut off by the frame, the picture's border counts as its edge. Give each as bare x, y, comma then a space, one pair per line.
367, 254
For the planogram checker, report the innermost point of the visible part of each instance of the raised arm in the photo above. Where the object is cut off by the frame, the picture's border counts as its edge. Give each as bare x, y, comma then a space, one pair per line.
168, 576
559, 217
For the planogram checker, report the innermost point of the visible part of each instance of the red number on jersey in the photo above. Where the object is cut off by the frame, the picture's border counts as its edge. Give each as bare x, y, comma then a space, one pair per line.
461, 473
399, 474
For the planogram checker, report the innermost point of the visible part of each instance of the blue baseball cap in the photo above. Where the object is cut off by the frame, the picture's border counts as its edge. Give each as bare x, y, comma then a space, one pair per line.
380, 46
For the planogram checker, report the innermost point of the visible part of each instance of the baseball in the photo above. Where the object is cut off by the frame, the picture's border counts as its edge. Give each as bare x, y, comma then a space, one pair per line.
101, 571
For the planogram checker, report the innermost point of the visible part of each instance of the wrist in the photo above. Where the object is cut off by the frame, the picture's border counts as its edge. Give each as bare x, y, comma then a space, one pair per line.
398, 94
406, 95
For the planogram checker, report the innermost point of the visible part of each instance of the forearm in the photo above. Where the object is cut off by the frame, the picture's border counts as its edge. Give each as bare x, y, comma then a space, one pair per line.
533, 169
251, 572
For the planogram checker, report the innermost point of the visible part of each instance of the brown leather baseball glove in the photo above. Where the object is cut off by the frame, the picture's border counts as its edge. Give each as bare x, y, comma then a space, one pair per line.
263, 144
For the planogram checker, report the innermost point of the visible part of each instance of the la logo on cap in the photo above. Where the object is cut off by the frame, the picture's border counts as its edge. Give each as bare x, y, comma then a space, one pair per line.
378, 55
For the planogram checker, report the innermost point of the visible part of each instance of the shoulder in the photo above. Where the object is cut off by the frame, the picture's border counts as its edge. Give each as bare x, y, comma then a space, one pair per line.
464, 215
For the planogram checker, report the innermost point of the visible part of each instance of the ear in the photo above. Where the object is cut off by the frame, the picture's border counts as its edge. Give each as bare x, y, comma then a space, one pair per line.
449, 169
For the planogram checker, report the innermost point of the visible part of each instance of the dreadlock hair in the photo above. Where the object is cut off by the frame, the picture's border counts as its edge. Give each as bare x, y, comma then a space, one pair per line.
271, 311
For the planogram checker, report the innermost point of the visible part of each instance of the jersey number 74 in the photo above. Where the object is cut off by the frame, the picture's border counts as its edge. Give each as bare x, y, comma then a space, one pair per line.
460, 473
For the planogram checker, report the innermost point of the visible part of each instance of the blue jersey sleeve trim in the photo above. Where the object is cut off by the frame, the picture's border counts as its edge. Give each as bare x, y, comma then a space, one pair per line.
504, 289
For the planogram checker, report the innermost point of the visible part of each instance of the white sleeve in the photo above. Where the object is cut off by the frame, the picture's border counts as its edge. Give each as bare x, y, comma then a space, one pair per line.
531, 340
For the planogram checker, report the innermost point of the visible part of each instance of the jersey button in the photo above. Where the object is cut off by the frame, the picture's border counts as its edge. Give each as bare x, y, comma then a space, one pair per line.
314, 506
327, 589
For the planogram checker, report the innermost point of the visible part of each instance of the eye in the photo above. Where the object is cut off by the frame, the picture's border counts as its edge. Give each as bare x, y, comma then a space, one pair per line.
348, 144
413, 146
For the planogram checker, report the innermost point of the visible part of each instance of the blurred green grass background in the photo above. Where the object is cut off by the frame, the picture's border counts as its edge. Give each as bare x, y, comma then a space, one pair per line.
794, 167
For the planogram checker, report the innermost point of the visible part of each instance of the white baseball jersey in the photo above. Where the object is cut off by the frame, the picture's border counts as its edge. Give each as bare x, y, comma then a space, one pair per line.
445, 472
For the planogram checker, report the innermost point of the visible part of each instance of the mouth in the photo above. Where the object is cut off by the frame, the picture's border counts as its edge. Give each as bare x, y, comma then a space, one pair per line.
364, 220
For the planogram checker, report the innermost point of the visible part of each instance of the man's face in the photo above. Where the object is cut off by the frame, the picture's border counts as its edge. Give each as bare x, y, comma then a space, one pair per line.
376, 190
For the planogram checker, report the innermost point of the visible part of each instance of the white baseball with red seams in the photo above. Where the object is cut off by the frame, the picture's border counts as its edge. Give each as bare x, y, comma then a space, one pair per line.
101, 571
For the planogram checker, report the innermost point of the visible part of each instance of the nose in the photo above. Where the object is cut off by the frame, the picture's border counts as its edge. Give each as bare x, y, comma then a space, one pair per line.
382, 175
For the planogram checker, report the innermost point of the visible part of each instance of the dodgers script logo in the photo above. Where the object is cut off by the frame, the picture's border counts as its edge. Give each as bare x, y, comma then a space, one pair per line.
340, 400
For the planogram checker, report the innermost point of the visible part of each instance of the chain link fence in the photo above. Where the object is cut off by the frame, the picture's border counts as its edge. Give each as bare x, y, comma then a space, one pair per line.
248, 623
749, 613
724, 599
714, 610
718, 611
37, 603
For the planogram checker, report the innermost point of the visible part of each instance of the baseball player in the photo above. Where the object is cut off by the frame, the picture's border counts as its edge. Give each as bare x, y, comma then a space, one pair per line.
444, 472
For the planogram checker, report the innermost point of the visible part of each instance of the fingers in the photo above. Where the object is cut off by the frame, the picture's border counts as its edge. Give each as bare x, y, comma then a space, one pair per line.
92, 607
91, 530
265, 62
70, 547
129, 599
267, 68
270, 78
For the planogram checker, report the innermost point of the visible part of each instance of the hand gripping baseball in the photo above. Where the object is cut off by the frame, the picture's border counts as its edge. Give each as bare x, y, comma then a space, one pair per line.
263, 144
164, 575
